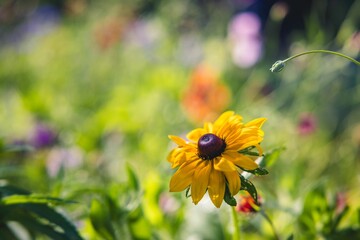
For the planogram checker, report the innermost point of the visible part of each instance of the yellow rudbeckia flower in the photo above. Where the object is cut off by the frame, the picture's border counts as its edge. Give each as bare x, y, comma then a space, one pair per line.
212, 158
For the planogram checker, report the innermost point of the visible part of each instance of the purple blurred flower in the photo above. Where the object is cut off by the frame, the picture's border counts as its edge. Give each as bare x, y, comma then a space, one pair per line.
37, 23
245, 39
63, 158
43, 136
307, 124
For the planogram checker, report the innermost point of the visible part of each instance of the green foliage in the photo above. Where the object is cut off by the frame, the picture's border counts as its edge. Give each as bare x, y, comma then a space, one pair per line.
117, 212
228, 198
322, 215
101, 220
272, 156
257, 171
34, 213
249, 187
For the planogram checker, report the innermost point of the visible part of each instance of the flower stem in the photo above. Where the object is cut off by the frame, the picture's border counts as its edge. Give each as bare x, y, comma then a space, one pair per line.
279, 65
323, 51
235, 220
267, 218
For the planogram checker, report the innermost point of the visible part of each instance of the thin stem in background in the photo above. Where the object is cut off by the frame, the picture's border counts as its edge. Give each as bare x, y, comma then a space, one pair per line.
267, 218
323, 51
279, 65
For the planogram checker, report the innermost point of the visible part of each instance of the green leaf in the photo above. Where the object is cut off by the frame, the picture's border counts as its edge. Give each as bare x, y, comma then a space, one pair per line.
7, 233
257, 172
187, 195
247, 151
6, 190
140, 228
32, 198
249, 187
133, 180
32, 224
187, 192
35, 218
338, 218
271, 157
48, 213
228, 198
100, 219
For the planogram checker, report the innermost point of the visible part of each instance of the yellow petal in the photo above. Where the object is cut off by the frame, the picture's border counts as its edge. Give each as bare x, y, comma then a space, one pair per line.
232, 134
233, 124
176, 157
222, 120
242, 143
216, 187
259, 149
191, 148
222, 164
258, 122
178, 140
230, 155
200, 181
252, 132
195, 134
183, 176
208, 127
251, 142
234, 182
245, 162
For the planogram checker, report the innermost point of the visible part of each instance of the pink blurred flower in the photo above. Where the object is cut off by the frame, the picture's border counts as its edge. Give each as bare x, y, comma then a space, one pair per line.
245, 39
168, 204
65, 158
307, 124
353, 43
341, 202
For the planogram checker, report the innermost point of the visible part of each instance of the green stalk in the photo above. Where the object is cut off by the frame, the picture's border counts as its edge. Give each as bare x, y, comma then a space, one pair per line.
235, 220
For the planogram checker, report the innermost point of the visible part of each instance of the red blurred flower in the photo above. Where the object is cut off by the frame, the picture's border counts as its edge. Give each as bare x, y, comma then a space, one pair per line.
206, 97
247, 204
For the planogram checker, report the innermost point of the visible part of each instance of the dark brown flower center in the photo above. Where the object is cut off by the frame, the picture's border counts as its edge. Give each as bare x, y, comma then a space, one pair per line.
210, 146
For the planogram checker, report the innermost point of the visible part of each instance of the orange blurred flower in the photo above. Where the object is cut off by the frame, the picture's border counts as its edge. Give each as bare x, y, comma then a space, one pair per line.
206, 97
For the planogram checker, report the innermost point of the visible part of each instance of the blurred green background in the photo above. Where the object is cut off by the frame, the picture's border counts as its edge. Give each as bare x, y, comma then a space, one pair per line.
90, 90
